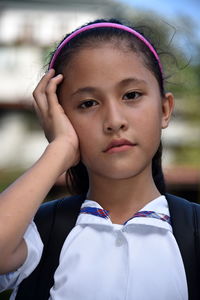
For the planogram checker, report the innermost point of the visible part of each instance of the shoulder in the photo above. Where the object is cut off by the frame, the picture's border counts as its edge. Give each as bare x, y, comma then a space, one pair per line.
48, 208
182, 208
185, 215
182, 204
57, 212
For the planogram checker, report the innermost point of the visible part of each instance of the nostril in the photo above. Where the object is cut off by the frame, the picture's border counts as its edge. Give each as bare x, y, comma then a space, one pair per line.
123, 126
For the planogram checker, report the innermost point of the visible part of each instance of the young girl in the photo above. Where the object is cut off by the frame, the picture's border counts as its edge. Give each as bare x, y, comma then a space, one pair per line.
102, 106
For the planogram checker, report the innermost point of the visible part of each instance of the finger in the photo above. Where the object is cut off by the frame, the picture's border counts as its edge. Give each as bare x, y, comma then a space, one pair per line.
41, 87
41, 116
36, 109
51, 90
39, 94
42, 120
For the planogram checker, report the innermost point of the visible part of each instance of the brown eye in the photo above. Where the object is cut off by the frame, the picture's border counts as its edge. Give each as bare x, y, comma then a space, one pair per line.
132, 95
87, 104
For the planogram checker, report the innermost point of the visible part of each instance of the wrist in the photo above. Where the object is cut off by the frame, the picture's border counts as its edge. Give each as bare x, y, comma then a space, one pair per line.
60, 158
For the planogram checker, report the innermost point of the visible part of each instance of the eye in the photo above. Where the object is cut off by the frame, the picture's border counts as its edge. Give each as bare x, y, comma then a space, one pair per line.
132, 95
87, 104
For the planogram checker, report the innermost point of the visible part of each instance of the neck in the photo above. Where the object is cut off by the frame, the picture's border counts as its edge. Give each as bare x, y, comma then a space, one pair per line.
123, 197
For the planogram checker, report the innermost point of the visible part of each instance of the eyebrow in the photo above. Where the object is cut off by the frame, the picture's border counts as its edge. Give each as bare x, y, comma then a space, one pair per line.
87, 89
132, 80
90, 89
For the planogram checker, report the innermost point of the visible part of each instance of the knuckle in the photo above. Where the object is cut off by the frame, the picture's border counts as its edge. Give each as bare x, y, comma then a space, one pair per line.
50, 88
35, 94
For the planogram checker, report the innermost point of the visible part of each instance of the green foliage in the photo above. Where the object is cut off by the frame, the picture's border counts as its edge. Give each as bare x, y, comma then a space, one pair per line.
8, 176
187, 155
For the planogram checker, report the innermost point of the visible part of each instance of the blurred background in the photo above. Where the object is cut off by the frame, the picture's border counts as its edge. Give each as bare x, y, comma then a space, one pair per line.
29, 30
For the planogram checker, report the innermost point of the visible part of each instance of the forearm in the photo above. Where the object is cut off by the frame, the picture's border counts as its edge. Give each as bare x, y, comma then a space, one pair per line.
21, 200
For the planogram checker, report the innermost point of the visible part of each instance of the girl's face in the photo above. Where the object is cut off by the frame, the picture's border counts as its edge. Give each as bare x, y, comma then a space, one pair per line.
113, 102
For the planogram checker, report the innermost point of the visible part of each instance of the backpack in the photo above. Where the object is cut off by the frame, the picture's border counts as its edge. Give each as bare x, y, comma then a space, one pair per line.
55, 219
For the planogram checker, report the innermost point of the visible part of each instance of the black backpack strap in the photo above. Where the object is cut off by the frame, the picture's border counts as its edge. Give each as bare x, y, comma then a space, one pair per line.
185, 218
196, 210
54, 220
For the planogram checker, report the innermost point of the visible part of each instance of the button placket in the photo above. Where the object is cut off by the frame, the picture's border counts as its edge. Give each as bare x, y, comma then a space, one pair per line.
120, 238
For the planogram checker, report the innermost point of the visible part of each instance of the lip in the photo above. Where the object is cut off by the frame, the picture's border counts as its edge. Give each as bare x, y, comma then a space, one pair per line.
119, 145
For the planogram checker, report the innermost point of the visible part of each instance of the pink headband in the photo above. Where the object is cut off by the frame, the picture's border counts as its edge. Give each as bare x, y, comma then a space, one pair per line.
104, 24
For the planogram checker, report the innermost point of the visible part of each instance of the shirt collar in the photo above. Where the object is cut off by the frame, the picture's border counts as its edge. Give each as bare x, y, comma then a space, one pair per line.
158, 205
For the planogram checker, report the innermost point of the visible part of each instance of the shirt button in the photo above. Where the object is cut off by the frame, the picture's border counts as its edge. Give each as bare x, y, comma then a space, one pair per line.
119, 241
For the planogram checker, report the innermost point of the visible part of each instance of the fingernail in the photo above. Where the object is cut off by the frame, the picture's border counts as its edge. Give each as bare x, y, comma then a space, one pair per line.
59, 75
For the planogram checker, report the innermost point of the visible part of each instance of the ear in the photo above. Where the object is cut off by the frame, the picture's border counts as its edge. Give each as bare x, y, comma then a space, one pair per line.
167, 109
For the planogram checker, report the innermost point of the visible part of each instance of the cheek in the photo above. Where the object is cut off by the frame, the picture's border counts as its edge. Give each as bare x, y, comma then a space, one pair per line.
153, 114
86, 132
149, 124
77, 124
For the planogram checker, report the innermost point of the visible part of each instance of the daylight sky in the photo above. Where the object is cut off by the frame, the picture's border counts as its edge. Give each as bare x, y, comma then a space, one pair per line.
169, 8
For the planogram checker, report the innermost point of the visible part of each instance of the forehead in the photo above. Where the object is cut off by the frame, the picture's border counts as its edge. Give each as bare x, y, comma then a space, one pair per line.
106, 63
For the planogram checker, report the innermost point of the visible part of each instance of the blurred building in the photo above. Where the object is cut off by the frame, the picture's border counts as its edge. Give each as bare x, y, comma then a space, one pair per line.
27, 29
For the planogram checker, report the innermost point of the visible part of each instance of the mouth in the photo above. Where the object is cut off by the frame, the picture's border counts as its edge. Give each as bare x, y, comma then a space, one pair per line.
119, 146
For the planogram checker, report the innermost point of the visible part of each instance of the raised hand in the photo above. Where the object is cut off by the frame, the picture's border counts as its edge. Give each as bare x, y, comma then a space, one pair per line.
20, 201
56, 125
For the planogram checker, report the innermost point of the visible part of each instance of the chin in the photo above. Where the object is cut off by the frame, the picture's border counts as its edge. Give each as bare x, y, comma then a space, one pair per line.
121, 169
120, 173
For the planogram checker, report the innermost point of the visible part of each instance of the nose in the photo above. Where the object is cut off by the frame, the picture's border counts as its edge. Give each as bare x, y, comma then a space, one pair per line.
115, 119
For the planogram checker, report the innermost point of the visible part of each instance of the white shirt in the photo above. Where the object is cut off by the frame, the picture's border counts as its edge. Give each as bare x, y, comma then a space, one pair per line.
101, 260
